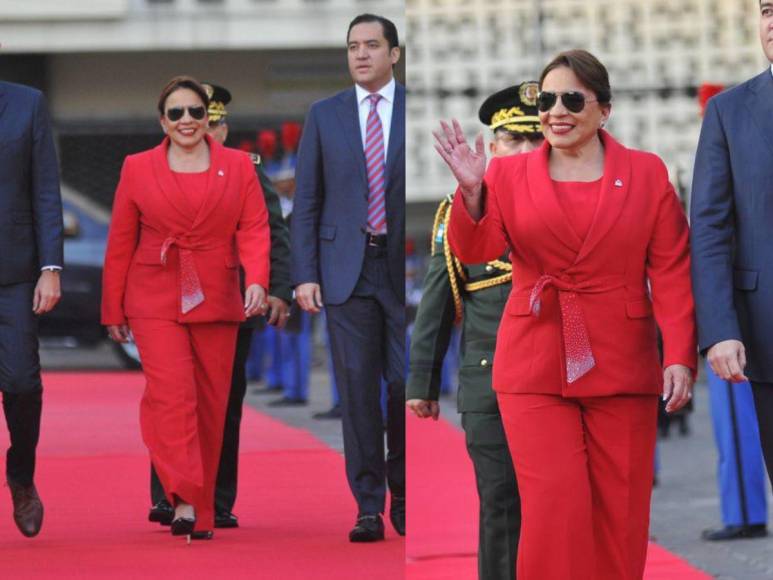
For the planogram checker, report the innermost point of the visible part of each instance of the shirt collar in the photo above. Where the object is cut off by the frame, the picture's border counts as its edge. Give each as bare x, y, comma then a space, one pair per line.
387, 92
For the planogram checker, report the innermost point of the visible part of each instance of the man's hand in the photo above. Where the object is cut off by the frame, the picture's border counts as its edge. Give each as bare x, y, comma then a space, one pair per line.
728, 360
119, 332
48, 291
424, 409
309, 297
278, 312
255, 300
677, 387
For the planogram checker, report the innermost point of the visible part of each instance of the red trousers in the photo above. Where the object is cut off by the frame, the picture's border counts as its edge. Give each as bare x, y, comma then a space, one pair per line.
188, 372
585, 470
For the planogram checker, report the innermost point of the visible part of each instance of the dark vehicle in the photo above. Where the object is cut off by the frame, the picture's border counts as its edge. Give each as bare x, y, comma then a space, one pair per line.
75, 320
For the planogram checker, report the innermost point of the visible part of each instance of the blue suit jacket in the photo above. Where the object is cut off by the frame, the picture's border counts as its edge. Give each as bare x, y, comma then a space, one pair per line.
30, 202
732, 223
331, 198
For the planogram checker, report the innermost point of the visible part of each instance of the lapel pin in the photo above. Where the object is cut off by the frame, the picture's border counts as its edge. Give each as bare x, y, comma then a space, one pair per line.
618, 183
221, 173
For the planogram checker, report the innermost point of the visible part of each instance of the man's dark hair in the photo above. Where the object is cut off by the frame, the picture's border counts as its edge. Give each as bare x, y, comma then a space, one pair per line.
181, 82
589, 70
389, 28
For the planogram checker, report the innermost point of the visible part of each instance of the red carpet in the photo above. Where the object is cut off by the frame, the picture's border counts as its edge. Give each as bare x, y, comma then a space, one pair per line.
294, 505
443, 511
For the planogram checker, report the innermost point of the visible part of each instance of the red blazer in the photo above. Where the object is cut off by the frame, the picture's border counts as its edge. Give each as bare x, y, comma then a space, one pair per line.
639, 235
152, 217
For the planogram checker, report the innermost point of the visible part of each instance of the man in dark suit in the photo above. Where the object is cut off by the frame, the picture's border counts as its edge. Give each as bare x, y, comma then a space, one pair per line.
280, 296
732, 215
348, 249
30, 261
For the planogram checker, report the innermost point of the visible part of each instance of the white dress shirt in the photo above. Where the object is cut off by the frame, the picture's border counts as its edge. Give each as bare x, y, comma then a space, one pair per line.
384, 110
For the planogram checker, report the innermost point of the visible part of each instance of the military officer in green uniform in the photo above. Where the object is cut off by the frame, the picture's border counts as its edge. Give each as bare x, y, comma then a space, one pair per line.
475, 295
279, 299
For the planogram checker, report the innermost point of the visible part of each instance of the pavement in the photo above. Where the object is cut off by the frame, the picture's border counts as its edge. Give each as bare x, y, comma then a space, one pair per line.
684, 503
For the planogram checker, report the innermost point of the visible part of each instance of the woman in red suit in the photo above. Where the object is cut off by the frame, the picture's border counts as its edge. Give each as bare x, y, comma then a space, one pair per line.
186, 214
599, 242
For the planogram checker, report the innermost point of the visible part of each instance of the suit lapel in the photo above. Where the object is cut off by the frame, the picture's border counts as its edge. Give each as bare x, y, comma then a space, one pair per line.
615, 184
761, 105
544, 197
396, 130
216, 180
348, 114
167, 183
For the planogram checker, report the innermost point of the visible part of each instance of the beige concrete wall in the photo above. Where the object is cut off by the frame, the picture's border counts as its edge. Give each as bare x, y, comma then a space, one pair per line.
187, 24
37, 10
115, 86
654, 50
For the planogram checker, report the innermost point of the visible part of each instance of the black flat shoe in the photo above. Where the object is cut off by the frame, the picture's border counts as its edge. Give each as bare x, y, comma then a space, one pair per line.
287, 402
202, 535
162, 513
332, 413
226, 520
367, 529
267, 390
735, 533
183, 526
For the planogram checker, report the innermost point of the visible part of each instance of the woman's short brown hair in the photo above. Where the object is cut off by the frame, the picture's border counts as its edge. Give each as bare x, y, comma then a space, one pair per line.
588, 69
181, 82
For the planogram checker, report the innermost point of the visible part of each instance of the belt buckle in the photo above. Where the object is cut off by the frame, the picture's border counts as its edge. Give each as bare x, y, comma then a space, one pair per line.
372, 240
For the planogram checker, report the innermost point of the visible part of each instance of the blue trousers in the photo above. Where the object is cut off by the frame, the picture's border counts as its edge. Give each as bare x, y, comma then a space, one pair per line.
273, 347
336, 398
740, 472
262, 347
295, 359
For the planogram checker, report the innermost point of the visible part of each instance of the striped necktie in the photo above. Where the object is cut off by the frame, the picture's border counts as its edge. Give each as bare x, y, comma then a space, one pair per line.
374, 164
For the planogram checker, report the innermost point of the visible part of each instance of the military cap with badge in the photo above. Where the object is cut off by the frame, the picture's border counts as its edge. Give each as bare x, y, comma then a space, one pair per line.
513, 109
219, 97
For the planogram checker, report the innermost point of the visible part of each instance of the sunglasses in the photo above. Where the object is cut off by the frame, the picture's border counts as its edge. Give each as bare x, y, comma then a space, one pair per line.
574, 101
176, 113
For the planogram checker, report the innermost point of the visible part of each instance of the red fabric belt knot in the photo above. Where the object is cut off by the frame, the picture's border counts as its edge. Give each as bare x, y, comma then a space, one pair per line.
191, 292
577, 350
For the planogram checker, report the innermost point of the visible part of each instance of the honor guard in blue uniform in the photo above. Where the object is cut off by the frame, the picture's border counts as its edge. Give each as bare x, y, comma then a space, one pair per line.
475, 296
279, 299
740, 468
293, 351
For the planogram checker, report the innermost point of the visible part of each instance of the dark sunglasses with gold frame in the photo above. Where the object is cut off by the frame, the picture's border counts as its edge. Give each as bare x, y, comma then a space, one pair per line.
176, 113
574, 101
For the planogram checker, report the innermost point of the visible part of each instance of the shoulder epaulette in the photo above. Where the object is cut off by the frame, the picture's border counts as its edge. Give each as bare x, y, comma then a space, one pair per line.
255, 158
454, 267
438, 225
